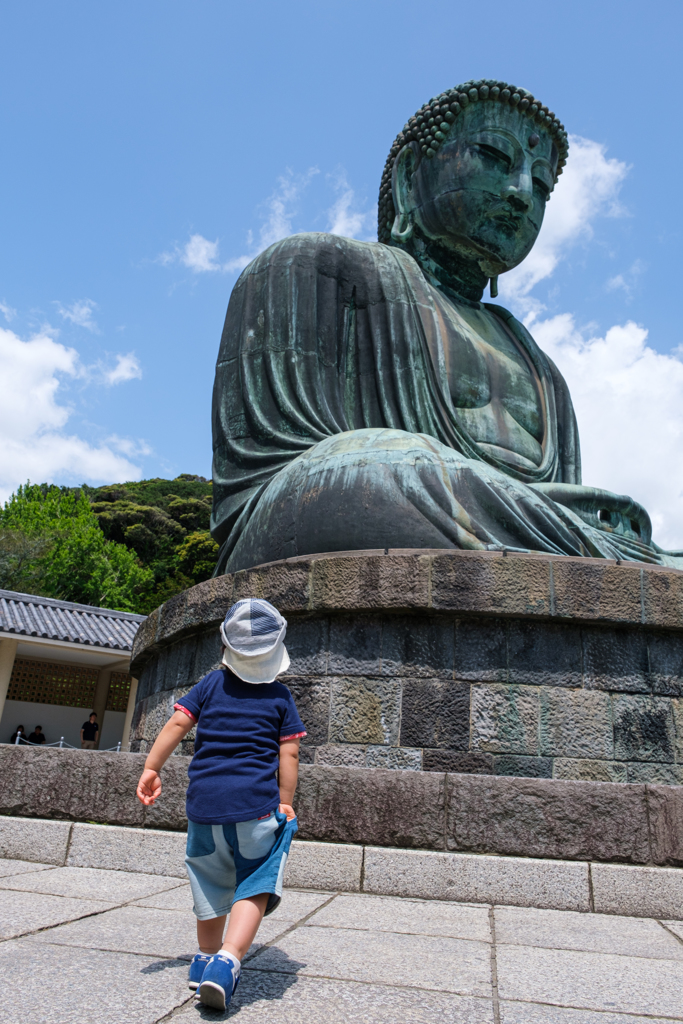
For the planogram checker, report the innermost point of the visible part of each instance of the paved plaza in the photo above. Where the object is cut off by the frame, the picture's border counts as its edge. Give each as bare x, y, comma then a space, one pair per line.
83, 944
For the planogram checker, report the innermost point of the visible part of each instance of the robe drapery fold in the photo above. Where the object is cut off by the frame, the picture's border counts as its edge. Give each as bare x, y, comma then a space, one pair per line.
324, 336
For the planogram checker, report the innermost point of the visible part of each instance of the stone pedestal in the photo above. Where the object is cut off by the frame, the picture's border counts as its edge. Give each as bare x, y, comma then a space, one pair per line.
452, 661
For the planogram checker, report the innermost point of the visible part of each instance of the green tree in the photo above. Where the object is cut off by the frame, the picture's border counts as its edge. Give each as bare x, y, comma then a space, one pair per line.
74, 561
196, 556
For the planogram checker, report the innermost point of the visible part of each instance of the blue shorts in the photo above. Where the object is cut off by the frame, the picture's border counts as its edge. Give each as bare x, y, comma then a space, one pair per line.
226, 863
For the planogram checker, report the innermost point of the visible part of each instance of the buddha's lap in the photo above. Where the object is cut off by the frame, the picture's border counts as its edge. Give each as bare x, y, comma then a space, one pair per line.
380, 488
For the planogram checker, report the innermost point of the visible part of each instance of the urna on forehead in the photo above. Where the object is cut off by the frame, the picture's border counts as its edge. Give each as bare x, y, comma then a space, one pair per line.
429, 127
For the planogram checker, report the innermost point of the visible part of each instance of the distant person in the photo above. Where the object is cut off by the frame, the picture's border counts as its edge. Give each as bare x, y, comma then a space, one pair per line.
20, 733
37, 736
89, 732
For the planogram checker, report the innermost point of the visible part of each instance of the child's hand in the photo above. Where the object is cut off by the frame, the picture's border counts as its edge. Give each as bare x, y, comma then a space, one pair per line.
288, 810
149, 787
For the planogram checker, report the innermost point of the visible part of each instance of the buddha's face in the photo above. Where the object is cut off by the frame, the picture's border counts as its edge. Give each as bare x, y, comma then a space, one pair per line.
484, 193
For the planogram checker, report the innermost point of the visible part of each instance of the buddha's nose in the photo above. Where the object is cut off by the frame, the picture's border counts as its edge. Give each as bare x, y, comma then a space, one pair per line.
519, 198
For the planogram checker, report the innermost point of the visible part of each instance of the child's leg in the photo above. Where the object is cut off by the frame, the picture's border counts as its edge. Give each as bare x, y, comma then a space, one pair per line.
245, 918
210, 934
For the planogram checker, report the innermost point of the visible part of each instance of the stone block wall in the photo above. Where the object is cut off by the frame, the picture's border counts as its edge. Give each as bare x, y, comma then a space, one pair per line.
466, 813
404, 681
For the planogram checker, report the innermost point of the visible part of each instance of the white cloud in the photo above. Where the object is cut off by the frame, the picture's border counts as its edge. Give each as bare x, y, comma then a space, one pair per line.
280, 208
617, 282
625, 282
33, 442
200, 255
344, 218
127, 368
629, 404
79, 313
7, 311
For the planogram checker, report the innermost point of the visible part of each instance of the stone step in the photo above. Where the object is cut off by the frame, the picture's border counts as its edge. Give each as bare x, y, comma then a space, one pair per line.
636, 891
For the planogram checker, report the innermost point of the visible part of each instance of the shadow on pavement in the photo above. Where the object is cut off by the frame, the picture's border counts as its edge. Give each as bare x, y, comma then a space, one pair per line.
257, 985
163, 965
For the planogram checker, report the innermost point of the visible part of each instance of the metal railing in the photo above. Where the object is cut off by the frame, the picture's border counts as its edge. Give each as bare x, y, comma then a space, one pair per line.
61, 743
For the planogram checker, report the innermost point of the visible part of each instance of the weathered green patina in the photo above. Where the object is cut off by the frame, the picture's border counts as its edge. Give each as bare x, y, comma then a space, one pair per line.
366, 397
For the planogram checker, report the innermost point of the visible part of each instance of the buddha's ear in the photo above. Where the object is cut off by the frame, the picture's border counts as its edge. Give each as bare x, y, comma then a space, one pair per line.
402, 194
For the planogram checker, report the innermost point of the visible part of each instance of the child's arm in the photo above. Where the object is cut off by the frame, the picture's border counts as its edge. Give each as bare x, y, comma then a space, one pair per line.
175, 730
288, 775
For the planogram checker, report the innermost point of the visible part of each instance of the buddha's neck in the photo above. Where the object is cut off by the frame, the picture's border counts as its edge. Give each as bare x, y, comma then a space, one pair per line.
457, 276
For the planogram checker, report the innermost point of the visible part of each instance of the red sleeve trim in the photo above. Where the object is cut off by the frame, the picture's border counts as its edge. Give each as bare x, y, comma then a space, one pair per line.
179, 707
294, 736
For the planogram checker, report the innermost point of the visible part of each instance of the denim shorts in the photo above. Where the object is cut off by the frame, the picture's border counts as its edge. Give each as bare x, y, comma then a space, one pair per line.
226, 863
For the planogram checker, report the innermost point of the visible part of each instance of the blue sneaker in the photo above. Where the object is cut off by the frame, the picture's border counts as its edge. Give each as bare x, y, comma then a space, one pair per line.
219, 981
197, 969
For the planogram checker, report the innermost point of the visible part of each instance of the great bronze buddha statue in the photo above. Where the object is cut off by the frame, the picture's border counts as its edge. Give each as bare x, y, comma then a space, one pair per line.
366, 397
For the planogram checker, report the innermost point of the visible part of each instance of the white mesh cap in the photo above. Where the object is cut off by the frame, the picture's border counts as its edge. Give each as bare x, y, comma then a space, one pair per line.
253, 633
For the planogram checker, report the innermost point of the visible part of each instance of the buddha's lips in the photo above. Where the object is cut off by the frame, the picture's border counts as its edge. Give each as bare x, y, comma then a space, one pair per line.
506, 216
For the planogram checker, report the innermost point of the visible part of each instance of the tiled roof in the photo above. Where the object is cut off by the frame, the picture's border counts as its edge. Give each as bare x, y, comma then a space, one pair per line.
30, 615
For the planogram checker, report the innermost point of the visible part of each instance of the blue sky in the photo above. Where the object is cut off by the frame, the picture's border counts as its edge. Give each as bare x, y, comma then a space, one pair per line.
150, 147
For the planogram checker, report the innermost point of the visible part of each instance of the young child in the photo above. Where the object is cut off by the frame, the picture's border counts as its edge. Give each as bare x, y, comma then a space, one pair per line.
240, 823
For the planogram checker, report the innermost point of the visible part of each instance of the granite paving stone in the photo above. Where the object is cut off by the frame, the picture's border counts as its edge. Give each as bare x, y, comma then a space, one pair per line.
530, 1013
417, 917
445, 964
597, 933
645, 891
91, 883
21, 913
342, 958
20, 867
265, 998
170, 934
676, 927
594, 981
293, 906
76, 986
179, 898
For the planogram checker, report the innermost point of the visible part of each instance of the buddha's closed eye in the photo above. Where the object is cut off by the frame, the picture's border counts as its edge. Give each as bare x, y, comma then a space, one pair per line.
493, 154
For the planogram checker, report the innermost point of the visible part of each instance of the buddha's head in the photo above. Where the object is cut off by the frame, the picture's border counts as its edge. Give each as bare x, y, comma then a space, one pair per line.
470, 175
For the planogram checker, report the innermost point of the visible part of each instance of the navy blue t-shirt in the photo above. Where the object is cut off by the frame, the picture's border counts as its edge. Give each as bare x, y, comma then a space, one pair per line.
239, 729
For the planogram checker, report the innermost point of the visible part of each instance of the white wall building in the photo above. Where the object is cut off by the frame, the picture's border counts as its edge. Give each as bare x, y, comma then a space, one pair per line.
58, 662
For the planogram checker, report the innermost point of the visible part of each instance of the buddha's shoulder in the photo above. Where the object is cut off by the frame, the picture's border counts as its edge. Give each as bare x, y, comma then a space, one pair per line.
323, 250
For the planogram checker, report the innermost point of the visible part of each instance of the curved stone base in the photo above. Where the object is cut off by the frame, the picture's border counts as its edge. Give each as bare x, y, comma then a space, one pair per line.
453, 661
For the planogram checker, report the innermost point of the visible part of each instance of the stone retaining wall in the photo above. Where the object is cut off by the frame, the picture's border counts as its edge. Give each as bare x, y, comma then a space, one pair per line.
465, 662
538, 818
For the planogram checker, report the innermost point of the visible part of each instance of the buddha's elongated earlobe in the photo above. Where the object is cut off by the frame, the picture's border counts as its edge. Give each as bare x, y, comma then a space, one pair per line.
402, 228
493, 285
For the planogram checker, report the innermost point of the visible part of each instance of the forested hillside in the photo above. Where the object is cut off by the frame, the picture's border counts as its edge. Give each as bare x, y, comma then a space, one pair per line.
128, 546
